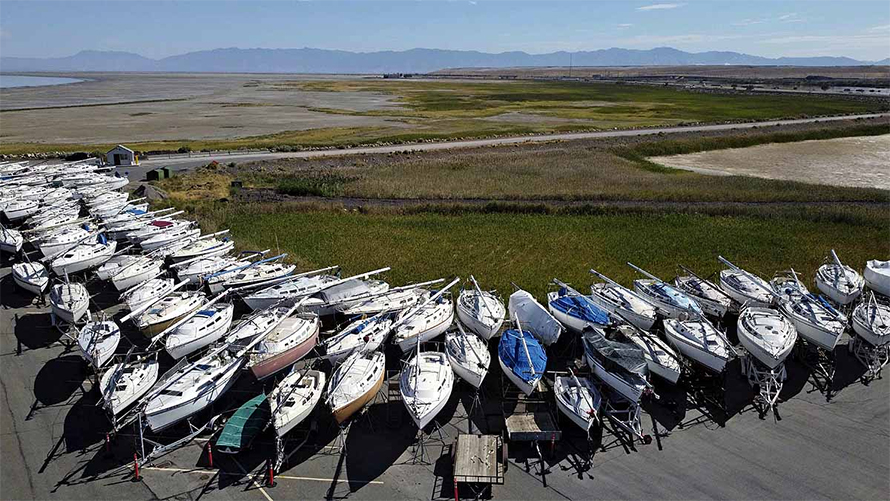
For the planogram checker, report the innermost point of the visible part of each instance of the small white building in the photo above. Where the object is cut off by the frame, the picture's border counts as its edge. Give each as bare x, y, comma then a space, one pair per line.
121, 155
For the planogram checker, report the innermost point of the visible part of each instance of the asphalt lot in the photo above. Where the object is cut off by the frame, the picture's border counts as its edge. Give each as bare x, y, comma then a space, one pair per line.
53, 444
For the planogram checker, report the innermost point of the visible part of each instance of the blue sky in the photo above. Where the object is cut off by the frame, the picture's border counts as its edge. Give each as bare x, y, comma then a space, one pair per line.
858, 29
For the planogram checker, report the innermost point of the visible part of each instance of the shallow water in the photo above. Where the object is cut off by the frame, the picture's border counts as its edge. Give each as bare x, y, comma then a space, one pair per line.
10, 81
850, 161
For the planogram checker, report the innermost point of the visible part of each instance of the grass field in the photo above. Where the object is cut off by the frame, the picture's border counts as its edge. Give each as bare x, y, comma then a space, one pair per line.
532, 249
440, 110
558, 172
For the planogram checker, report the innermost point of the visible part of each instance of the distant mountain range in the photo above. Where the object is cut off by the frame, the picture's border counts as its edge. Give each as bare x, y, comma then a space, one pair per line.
309, 60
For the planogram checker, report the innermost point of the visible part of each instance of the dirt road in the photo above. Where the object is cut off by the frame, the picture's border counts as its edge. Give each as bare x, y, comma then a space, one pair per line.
184, 162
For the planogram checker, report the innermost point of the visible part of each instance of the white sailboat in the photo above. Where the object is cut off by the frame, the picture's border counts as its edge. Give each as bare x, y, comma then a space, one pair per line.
69, 301
354, 383
83, 257
123, 384
206, 246
481, 311
701, 342
294, 398
204, 328
98, 341
425, 385
363, 334
10, 240
709, 296
877, 276
838, 281
621, 301
661, 359
815, 320
871, 322
743, 287
578, 399
137, 271
766, 334
33, 277
468, 356
425, 321
669, 301
535, 318
146, 292
168, 311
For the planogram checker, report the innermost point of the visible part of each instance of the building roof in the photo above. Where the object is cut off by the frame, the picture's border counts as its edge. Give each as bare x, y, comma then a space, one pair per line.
120, 147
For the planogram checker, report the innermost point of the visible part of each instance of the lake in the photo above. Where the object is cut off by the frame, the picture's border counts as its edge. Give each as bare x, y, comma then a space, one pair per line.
11, 81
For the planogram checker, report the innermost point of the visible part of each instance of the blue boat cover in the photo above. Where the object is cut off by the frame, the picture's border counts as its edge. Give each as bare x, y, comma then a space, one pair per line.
511, 351
580, 307
206, 313
678, 298
137, 212
102, 239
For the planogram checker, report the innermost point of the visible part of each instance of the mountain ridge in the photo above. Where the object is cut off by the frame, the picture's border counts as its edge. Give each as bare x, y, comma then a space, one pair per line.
418, 60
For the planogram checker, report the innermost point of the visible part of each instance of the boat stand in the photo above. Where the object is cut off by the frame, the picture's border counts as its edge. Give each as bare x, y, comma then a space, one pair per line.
280, 448
874, 358
338, 446
157, 449
705, 390
768, 381
624, 420
419, 455
821, 364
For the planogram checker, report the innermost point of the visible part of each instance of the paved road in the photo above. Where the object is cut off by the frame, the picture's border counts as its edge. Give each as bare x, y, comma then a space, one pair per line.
52, 442
187, 162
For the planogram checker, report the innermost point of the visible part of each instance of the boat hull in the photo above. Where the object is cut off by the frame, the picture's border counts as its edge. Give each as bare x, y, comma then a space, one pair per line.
820, 337
691, 351
630, 392
409, 343
343, 413
167, 417
639, 320
835, 294
132, 280
876, 281
275, 363
525, 387
474, 324
758, 352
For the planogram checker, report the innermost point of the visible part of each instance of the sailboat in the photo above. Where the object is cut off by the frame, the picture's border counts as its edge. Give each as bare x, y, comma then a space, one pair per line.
33, 277
205, 327
146, 292
354, 383
424, 322
839, 282
206, 246
294, 288
293, 399
709, 296
481, 311
286, 344
362, 334
766, 334
877, 276
743, 287
84, 256
253, 275
245, 424
168, 311
700, 341
668, 301
135, 272
523, 307
522, 358
578, 399
871, 321
815, 320
192, 388
98, 341
69, 301
661, 359
468, 355
575, 311
425, 385
10, 240
621, 301
123, 384
622, 366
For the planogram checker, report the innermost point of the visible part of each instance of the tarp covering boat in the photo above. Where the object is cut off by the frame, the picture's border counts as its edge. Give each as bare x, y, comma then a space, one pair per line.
513, 354
580, 307
615, 355
244, 425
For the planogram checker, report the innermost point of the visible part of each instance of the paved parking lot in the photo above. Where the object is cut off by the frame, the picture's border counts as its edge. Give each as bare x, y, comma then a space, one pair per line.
53, 441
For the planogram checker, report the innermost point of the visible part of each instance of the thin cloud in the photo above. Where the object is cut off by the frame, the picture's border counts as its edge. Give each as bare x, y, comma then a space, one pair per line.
748, 22
883, 27
624, 25
661, 6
